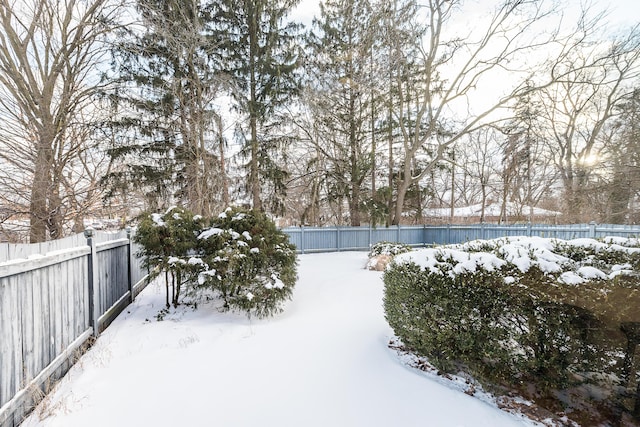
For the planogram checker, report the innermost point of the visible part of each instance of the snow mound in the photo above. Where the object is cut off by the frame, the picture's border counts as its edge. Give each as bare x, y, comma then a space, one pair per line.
520, 253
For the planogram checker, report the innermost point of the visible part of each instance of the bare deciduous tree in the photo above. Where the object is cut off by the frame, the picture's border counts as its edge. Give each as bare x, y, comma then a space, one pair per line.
49, 51
453, 66
480, 161
580, 106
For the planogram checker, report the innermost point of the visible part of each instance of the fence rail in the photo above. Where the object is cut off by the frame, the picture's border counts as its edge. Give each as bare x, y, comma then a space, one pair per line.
326, 239
53, 297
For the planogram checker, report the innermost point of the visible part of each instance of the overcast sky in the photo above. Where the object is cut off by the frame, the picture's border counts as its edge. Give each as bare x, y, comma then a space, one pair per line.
621, 12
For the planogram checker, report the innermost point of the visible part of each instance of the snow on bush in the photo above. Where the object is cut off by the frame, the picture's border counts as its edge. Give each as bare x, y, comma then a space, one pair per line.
585, 258
388, 248
382, 253
526, 313
254, 261
239, 256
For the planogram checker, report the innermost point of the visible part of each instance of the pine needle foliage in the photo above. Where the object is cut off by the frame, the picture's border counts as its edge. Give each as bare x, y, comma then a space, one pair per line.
239, 257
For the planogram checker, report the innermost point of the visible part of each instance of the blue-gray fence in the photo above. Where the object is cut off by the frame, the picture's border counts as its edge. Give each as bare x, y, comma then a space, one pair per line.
53, 297
328, 239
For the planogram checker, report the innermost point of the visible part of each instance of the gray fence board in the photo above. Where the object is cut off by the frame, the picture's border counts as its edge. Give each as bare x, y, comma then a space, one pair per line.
24, 397
314, 239
45, 306
11, 339
112, 276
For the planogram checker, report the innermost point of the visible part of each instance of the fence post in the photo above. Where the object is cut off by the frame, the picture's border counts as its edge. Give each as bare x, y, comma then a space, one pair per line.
370, 238
424, 235
302, 239
338, 237
592, 230
93, 281
483, 233
529, 228
129, 264
398, 234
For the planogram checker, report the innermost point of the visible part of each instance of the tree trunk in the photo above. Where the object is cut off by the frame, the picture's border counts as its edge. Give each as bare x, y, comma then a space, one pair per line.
574, 197
452, 206
38, 203
390, 208
40, 189
619, 197
54, 206
484, 199
254, 176
354, 199
354, 205
223, 168
403, 187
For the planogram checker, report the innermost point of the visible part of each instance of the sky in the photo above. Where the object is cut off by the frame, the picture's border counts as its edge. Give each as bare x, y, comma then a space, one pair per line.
622, 12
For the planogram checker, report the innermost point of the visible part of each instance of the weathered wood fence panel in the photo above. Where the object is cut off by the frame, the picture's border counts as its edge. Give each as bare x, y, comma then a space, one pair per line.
53, 297
11, 251
113, 280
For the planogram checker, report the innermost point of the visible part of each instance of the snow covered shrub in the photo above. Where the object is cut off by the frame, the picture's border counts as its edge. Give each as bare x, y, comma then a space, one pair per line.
240, 256
250, 263
449, 320
168, 244
599, 254
388, 248
522, 313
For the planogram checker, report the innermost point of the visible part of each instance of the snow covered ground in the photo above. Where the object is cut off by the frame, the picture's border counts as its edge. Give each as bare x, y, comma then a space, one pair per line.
324, 362
491, 210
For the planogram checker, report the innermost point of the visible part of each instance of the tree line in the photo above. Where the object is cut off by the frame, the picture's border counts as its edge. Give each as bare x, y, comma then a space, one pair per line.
372, 113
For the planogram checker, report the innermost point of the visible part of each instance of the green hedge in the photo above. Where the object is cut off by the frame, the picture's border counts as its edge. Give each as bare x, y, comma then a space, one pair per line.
513, 327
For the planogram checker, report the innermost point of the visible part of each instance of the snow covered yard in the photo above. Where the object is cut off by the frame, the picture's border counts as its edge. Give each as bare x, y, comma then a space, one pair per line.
324, 362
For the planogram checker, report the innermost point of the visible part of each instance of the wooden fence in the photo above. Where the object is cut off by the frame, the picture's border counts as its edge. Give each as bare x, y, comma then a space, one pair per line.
54, 297
329, 239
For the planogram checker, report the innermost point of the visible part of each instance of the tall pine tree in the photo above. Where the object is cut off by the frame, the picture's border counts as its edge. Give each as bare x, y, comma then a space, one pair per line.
167, 130
260, 53
340, 96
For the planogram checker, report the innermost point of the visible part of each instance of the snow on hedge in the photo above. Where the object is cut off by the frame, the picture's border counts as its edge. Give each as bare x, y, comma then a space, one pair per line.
570, 260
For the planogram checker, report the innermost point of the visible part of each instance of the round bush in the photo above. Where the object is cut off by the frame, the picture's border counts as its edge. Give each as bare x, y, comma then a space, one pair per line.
239, 256
250, 263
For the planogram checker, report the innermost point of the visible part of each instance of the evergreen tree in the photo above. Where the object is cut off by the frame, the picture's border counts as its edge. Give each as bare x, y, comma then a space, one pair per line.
260, 53
340, 96
166, 128
402, 31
